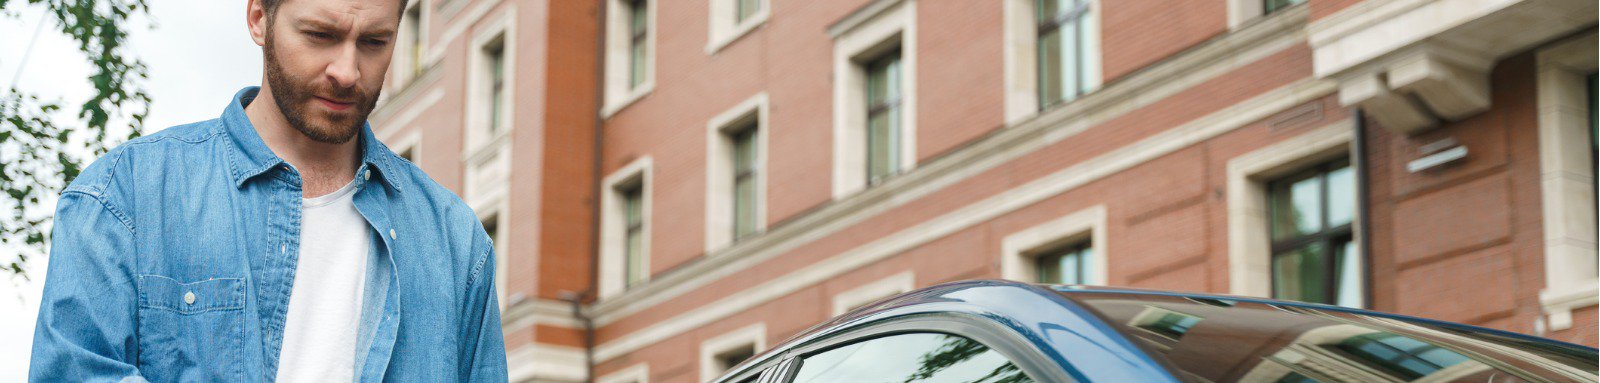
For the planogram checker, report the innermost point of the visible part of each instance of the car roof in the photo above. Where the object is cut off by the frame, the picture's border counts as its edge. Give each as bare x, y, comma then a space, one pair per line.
1043, 313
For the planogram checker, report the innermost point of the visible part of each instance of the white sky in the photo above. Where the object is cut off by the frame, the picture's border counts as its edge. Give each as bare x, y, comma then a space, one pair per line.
198, 55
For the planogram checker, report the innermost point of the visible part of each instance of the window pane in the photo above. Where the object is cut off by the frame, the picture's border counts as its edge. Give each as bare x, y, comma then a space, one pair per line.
746, 9
880, 145
1069, 60
636, 64
497, 84
1399, 356
1049, 68
635, 257
1351, 290
1296, 207
1049, 267
1083, 71
921, 357
1341, 196
744, 207
1298, 275
1270, 6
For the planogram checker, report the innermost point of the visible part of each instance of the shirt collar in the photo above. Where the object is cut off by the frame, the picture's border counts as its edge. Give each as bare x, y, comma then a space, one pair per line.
252, 157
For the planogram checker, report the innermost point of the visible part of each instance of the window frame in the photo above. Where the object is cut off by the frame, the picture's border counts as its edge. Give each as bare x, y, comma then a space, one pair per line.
720, 223
614, 264
886, 64
866, 34
1021, 58
983, 330
724, 25
1242, 13
753, 336
620, 90
1076, 18
480, 137
1567, 199
1328, 236
1019, 251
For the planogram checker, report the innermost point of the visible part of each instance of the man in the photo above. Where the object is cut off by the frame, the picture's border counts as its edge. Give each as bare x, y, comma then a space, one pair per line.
280, 241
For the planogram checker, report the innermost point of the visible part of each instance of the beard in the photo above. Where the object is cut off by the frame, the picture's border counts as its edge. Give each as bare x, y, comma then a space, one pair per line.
295, 96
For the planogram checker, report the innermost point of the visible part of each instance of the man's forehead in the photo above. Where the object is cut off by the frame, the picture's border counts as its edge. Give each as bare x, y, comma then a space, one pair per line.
362, 14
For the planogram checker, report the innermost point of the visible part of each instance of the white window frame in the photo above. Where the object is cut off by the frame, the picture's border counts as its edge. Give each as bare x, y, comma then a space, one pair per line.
724, 26
1021, 52
1019, 250
898, 283
613, 268
862, 35
411, 141
754, 336
1249, 231
719, 169
638, 373
1566, 179
502, 31
617, 92
1242, 12
411, 68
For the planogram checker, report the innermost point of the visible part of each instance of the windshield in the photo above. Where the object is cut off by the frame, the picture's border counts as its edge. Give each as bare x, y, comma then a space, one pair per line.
1220, 340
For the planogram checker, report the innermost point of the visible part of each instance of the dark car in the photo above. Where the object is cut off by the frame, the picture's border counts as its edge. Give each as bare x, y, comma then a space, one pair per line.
1000, 331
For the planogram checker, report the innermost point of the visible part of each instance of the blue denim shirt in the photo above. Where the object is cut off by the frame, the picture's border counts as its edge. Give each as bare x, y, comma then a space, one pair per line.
174, 254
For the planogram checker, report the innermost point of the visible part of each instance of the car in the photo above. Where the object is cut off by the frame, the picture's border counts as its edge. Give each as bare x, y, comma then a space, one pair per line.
1010, 332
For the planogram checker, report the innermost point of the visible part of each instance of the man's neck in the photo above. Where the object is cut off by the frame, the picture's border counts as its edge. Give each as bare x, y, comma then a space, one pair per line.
324, 167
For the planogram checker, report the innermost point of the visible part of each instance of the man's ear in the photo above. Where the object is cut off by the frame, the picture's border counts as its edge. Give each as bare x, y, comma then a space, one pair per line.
256, 18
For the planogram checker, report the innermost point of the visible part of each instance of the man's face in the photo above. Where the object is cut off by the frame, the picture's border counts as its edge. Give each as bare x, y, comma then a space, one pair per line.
325, 61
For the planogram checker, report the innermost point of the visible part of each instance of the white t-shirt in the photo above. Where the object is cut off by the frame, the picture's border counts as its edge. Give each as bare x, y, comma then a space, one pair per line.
321, 331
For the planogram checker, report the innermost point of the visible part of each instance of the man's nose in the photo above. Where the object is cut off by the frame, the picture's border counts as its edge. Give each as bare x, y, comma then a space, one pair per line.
343, 70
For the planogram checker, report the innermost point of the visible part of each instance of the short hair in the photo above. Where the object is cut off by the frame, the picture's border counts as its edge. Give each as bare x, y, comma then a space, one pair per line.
271, 7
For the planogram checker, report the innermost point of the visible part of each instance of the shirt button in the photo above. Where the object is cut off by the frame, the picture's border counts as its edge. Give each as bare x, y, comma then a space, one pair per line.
391, 234
366, 175
188, 297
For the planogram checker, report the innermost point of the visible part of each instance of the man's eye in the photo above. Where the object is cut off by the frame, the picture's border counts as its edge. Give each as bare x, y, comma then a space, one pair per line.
320, 35
375, 42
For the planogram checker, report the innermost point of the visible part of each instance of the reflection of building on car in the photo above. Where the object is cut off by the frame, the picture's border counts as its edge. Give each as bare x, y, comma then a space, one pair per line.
995, 331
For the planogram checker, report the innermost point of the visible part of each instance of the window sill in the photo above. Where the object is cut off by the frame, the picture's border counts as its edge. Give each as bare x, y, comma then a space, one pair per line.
1560, 302
718, 41
615, 106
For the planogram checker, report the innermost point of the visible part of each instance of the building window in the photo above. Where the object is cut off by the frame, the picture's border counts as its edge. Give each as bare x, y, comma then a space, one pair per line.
639, 373
1567, 145
630, 52
638, 47
1270, 6
1314, 258
1064, 40
874, 114
735, 185
883, 117
1169, 324
625, 228
747, 9
744, 181
413, 31
633, 235
1060, 251
495, 58
1065, 265
726, 351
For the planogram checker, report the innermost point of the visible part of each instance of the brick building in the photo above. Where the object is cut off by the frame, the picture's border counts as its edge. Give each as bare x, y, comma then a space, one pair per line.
675, 185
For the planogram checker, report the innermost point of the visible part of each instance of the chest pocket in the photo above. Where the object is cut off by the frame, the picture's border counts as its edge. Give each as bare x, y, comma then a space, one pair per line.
191, 331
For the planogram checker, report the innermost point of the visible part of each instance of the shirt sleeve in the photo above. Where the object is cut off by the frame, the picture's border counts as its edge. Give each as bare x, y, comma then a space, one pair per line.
87, 325
483, 353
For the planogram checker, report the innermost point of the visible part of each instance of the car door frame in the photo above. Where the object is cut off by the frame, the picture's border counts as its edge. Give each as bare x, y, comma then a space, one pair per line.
1011, 345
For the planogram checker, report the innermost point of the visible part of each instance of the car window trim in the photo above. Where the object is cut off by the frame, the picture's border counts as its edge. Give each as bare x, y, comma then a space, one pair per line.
1016, 349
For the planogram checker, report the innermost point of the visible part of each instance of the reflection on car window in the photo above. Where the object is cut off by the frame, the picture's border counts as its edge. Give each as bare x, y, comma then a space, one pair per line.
1212, 340
908, 358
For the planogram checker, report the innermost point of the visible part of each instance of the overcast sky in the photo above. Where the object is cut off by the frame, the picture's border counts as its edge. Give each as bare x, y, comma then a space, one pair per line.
199, 54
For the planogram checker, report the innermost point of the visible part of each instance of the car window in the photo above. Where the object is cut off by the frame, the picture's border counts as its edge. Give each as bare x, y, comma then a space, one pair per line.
911, 358
1221, 340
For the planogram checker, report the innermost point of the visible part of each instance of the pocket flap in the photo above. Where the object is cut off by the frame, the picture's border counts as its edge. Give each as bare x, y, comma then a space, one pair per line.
159, 292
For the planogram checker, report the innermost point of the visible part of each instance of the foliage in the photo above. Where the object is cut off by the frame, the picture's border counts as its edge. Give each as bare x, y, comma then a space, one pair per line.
958, 350
40, 154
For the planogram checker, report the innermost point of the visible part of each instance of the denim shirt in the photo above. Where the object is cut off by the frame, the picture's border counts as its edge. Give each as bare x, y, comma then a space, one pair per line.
173, 257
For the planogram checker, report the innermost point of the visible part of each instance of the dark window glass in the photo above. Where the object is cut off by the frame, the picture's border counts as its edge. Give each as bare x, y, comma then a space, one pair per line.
1594, 130
1313, 256
638, 47
1065, 265
410, 154
744, 180
633, 234
1255, 341
883, 117
1063, 49
1270, 6
917, 357
730, 359
746, 9
496, 56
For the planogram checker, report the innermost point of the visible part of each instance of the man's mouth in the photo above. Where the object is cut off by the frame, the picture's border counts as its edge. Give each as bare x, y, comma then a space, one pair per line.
335, 105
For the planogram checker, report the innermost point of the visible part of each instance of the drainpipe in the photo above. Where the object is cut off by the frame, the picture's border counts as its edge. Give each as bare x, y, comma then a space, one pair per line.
1358, 159
594, 234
